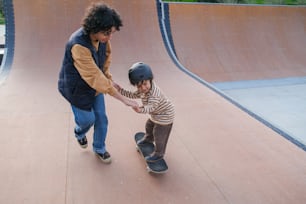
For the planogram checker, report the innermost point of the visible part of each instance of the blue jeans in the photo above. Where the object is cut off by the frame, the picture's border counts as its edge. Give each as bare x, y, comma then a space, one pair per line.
97, 117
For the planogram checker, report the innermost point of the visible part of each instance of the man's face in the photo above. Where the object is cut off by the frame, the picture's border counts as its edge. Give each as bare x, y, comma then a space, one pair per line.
103, 36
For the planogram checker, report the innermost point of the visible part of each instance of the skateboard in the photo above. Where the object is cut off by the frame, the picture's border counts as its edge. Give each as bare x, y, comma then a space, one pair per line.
146, 149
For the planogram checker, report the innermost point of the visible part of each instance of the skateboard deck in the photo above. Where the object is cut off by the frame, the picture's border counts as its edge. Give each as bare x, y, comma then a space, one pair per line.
145, 150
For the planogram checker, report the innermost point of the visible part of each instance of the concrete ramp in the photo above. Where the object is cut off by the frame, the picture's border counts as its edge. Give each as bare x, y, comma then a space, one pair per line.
216, 153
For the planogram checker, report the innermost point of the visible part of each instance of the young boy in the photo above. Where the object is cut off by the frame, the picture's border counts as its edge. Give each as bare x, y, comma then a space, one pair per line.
155, 103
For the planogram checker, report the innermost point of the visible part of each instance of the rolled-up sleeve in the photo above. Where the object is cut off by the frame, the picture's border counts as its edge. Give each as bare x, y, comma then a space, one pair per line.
90, 72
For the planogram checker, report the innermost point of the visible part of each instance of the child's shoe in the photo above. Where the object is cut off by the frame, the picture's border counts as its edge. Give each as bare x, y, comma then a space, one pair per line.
143, 141
153, 158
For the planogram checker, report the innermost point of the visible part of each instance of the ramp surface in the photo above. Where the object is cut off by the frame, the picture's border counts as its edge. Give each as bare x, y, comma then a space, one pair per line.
254, 54
216, 152
234, 43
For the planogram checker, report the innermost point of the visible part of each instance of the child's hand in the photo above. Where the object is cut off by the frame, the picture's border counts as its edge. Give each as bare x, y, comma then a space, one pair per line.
136, 109
131, 103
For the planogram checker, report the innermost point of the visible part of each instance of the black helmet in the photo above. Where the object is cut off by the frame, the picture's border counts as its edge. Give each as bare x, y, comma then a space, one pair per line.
139, 72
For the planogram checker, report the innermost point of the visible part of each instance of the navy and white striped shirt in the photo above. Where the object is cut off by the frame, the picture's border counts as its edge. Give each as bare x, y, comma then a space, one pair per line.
154, 103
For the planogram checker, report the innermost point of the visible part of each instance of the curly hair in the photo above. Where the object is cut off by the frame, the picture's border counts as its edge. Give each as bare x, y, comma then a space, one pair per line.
100, 17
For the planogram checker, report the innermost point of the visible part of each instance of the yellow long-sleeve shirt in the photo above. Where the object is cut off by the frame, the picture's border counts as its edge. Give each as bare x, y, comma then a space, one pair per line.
90, 72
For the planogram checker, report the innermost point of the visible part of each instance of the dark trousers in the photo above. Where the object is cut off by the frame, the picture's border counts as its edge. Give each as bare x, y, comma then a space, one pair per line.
159, 134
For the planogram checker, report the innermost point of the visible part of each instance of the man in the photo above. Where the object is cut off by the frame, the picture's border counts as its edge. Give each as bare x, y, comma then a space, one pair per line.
85, 76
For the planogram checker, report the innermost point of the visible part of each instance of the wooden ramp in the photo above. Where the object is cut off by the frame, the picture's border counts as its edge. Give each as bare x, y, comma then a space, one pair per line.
216, 152
235, 42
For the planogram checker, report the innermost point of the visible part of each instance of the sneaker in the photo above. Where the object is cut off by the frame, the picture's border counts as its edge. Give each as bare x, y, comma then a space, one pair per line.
153, 158
83, 142
105, 157
143, 141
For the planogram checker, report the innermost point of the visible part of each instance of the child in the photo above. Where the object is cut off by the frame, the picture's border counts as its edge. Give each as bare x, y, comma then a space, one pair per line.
155, 103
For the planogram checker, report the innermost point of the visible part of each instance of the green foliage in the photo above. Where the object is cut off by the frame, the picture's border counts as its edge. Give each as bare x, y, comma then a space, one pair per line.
184, 0
260, 2
294, 2
2, 19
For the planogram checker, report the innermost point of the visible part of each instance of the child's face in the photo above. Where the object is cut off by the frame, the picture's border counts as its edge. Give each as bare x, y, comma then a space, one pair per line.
144, 86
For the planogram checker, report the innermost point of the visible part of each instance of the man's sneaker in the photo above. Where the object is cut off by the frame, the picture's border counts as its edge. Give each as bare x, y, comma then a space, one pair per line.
83, 142
153, 158
105, 157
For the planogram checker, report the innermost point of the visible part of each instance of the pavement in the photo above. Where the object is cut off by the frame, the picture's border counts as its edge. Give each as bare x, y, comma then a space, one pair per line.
281, 102
2, 34
217, 152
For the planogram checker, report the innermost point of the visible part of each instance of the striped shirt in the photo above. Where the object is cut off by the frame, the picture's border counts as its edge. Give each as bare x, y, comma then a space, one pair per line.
155, 103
